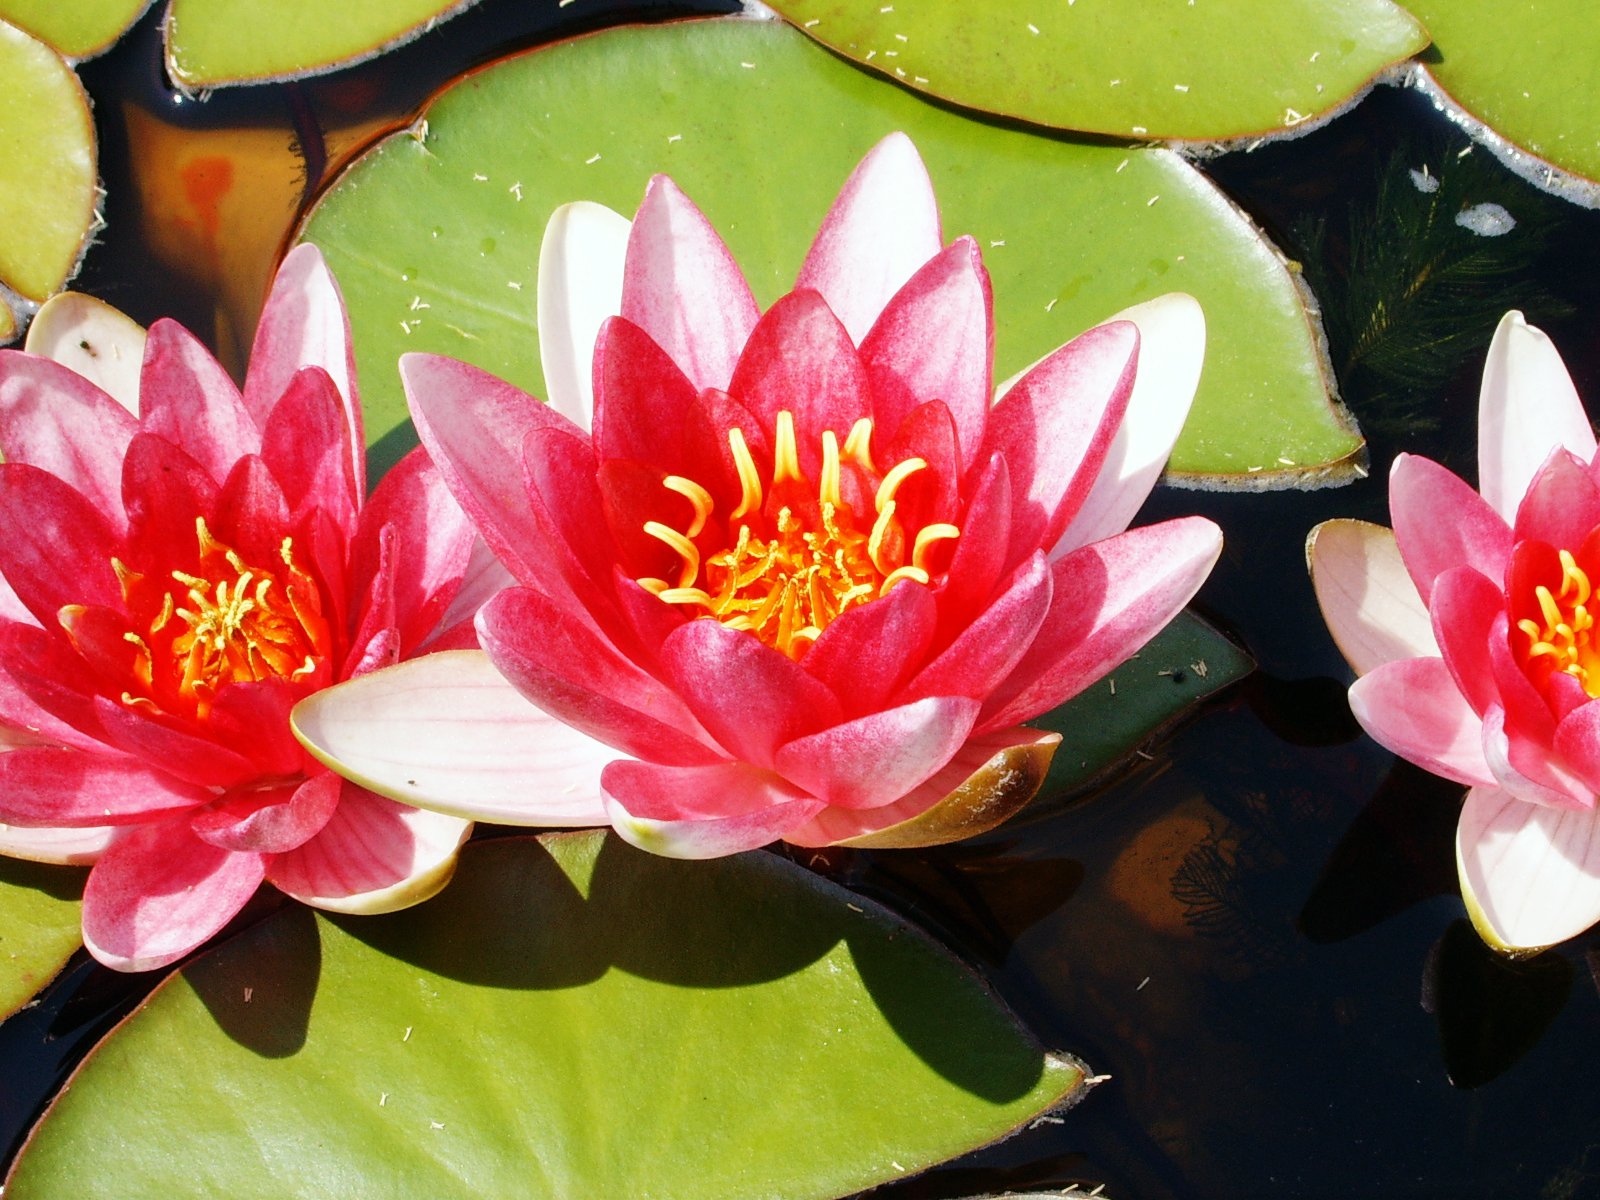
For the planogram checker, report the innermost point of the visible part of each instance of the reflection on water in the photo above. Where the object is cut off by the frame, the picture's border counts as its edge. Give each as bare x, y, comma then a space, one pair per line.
1256, 933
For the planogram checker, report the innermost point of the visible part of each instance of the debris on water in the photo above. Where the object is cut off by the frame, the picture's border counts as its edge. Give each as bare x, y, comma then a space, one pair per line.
1486, 220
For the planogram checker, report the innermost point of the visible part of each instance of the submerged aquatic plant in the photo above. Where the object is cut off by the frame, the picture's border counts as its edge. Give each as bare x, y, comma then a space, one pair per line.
1471, 626
183, 564
799, 575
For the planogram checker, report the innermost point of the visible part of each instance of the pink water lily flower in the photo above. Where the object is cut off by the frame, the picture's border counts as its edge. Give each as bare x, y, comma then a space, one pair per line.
787, 574
1471, 627
182, 564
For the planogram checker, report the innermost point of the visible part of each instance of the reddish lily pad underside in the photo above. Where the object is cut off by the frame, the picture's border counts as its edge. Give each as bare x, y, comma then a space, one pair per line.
1169, 70
434, 233
569, 1018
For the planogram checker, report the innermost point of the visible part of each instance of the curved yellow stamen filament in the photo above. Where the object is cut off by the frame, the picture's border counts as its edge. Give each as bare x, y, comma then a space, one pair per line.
828, 487
877, 551
892, 481
926, 537
682, 546
654, 586
686, 595
858, 446
1547, 605
695, 495
785, 454
1573, 578
749, 481
901, 575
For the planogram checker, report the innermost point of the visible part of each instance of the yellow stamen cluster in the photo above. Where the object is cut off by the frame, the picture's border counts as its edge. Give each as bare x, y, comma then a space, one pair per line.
793, 560
1565, 636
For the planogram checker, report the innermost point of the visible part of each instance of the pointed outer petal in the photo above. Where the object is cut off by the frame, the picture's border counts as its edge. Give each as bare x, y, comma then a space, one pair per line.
682, 287
866, 653
307, 444
1440, 523
376, 641
51, 675
164, 490
1172, 346
270, 820
254, 718
159, 892
47, 785
701, 812
1412, 707
1530, 875
580, 285
1109, 598
987, 651
932, 495
988, 781
1562, 503
1527, 406
749, 696
303, 324
190, 758
1366, 596
92, 339
374, 856
1529, 770
935, 340
799, 358
483, 576
1464, 611
187, 398
54, 419
981, 549
251, 514
882, 227
570, 671
65, 847
448, 732
55, 546
876, 759
1054, 428
1577, 741
432, 538
24, 722
473, 427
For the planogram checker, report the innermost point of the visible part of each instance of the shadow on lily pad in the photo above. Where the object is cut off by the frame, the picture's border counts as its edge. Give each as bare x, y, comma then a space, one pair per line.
259, 987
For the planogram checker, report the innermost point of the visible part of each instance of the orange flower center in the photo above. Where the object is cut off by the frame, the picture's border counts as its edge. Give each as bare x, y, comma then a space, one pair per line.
1564, 640
230, 622
795, 559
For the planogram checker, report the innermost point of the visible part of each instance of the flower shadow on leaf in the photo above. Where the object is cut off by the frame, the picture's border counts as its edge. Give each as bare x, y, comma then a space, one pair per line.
259, 986
59, 883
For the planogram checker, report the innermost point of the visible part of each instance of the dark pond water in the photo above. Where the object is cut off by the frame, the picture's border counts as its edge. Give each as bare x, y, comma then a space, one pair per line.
1256, 932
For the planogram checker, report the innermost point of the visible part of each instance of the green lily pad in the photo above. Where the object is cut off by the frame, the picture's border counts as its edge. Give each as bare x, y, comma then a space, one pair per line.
39, 913
570, 1018
47, 166
1197, 71
434, 233
77, 28
1528, 72
1182, 665
212, 42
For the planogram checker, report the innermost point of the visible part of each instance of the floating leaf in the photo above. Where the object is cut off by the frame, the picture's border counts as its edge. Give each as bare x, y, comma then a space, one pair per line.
77, 28
1196, 71
47, 167
1528, 72
434, 233
569, 1018
39, 913
211, 42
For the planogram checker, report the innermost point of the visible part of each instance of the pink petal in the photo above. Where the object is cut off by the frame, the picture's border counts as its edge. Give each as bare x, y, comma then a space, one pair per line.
981, 551
751, 698
307, 445
1172, 345
1529, 770
1412, 707
1562, 503
483, 576
193, 759
1440, 523
271, 819
188, 399
1464, 610
570, 671
304, 325
164, 490
65, 847
701, 812
250, 514
54, 419
1054, 429
682, 287
1109, 598
989, 649
46, 785
253, 717
876, 759
373, 856
935, 340
881, 229
1530, 875
41, 520
1577, 741
1367, 598
92, 339
867, 652
580, 285
159, 892
448, 732
1526, 408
